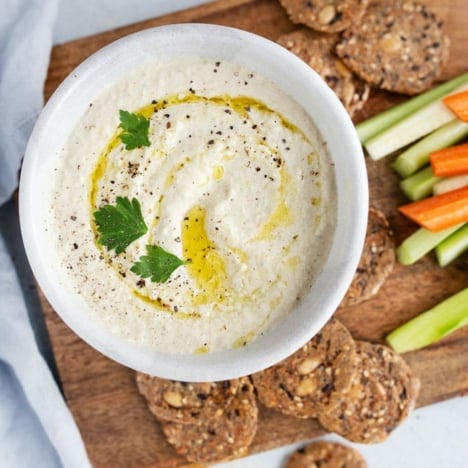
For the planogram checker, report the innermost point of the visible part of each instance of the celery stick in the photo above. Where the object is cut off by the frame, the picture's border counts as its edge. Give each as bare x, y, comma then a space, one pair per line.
371, 127
419, 185
411, 128
448, 184
417, 156
420, 243
432, 325
450, 248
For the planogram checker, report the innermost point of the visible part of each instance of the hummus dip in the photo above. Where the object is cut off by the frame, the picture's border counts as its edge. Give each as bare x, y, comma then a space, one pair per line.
236, 182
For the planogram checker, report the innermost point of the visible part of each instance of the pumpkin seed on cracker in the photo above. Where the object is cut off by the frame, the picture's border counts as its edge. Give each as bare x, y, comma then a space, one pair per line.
326, 454
317, 50
381, 396
311, 380
398, 46
226, 435
325, 15
185, 402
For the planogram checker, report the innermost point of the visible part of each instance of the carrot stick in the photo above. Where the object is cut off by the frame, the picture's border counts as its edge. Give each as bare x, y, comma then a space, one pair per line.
458, 104
439, 212
450, 161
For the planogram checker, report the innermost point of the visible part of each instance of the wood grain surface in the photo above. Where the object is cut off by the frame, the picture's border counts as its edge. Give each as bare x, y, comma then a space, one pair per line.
116, 426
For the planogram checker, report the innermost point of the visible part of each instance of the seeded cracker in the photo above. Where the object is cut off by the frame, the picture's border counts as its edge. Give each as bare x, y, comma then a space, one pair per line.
184, 402
377, 260
312, 379
381, 396
326, 455
325, 15
220, 438
317, 50
398, 46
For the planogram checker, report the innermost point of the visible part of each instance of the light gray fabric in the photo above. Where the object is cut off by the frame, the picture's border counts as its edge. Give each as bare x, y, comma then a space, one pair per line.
35, 423
36, 427
26, 29
25, 448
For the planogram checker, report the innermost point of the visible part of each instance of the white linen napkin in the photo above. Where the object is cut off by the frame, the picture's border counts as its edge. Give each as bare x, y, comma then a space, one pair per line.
36, 427
26, 28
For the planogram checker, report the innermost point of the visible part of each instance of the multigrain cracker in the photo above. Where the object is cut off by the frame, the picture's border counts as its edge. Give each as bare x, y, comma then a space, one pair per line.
317, 50
377, 260
326, 455
313, 378
185, 402
380, 397
325, 15
225, 436
398, 46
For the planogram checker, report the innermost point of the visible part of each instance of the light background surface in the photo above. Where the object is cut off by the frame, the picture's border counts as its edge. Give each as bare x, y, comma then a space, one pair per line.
432, 437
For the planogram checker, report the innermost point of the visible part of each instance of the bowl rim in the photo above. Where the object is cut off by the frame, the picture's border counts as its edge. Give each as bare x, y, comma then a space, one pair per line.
348, 236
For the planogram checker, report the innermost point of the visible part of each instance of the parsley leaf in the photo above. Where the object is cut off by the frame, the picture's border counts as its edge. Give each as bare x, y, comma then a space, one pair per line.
120, 224
158, 263
135, 130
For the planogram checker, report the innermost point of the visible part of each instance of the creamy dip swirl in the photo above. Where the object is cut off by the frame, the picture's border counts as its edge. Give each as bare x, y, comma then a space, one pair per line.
236, 181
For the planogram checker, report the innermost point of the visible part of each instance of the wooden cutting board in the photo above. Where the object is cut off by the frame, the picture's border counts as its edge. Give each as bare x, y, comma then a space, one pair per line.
116, 427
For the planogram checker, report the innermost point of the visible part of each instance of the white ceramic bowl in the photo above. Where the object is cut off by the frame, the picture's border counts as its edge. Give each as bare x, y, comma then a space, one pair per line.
291, 75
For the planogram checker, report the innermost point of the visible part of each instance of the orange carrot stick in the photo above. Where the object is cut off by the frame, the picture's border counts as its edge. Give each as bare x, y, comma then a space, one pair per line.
439, 212
458, 104
450, 161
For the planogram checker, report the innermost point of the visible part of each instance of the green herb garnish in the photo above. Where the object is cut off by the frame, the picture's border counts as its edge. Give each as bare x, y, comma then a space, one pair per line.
120, 224
158, 263
135, 130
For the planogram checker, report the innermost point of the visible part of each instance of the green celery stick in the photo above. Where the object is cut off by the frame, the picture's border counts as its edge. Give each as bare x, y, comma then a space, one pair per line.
450, 248
417, 156
410, 129
448, 184
380, 122
419, 185
420, 243
432, 325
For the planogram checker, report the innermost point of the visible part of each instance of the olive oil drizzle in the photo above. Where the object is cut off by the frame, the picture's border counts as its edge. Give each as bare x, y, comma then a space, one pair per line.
208, 269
